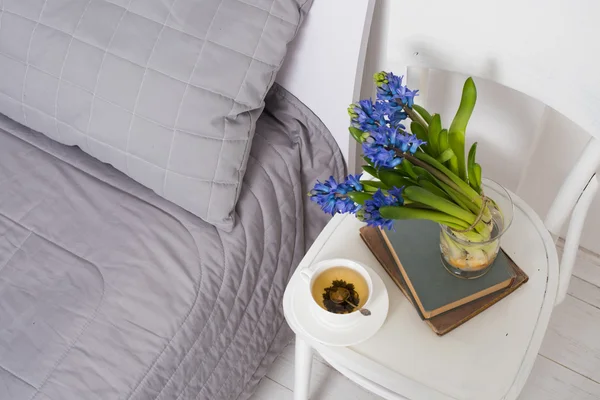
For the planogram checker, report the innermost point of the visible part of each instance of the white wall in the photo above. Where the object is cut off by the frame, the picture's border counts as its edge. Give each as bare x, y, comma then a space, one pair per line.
504, 123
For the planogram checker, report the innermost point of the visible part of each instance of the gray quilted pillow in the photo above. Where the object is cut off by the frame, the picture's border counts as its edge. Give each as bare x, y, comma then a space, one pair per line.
167, 91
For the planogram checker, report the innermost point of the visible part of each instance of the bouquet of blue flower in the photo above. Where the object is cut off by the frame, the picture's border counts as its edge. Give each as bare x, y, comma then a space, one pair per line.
421, 169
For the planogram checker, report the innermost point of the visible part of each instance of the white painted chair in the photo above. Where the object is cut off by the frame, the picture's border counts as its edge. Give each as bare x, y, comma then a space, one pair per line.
545, 49
538, 47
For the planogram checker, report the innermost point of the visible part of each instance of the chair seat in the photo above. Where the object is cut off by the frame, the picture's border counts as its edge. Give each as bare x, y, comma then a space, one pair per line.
489, 357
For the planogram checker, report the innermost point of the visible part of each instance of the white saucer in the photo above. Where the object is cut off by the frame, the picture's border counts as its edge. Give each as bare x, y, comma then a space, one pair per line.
366, 327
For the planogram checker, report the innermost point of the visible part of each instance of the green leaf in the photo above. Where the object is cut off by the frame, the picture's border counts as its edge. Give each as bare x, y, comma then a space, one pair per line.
458, 128
360, 197
435, 128
372, 186
453, 164
423, 113
368, 161
446, 155
409, 204
407, 167
445, 173
393, 178
443, 141
460, 198
477, 170
419, 131
423, 174
357, 134
395, 212
471, 167
371, 170
418, 194
434, 189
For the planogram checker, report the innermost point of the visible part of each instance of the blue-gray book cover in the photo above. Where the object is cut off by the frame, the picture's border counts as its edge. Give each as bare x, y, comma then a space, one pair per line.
415, 246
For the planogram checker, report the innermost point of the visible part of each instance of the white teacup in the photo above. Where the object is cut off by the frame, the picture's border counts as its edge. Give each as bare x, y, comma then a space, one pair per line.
309, 274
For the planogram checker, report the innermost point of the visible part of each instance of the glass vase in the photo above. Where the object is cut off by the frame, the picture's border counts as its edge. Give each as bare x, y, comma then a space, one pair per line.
466, 254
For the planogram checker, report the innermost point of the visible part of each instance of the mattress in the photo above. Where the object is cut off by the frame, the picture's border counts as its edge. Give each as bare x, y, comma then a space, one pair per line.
108, 291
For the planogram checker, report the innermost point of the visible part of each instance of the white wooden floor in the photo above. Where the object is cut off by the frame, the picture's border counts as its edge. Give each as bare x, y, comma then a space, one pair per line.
567, 367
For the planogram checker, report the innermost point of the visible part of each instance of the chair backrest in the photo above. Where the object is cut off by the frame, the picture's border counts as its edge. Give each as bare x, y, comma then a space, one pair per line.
545, 49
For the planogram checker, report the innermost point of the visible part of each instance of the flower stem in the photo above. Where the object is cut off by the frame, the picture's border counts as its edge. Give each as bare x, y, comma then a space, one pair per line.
464, 187
402, 212
433, 171
460, 198
421, 195
415, 116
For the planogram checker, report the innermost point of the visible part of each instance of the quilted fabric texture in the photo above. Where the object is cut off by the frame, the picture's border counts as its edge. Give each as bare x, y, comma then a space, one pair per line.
167, 91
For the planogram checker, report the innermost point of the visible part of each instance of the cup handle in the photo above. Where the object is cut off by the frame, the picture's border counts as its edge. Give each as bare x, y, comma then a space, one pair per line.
307, 273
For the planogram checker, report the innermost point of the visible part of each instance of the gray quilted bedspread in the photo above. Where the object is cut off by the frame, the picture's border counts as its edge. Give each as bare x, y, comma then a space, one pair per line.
108, 291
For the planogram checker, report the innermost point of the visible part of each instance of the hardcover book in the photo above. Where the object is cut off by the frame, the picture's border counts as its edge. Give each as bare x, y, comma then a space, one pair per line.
414, 245
445, 322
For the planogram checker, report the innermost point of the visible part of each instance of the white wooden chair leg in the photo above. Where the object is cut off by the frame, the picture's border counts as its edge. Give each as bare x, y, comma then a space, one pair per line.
573, 235
303, 367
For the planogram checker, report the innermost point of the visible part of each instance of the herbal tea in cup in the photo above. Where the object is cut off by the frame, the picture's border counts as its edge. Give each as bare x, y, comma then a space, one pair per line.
331, 280
327, 279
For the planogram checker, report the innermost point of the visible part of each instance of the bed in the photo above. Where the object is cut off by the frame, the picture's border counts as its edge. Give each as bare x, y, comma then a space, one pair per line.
110, 291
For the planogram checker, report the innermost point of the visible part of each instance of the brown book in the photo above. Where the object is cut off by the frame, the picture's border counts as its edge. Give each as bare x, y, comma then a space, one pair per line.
445, 322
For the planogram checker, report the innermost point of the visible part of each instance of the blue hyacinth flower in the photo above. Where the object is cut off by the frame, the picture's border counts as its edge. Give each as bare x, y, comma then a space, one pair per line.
371, 214
390, 113
386, 146
333, 197
353, 181
364, 116
380, 156
391, 88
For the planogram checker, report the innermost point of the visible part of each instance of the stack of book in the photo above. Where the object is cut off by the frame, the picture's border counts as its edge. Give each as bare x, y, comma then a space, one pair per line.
411, 257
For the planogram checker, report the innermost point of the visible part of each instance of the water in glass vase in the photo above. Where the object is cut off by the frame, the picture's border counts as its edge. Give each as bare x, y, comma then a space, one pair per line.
464, 254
